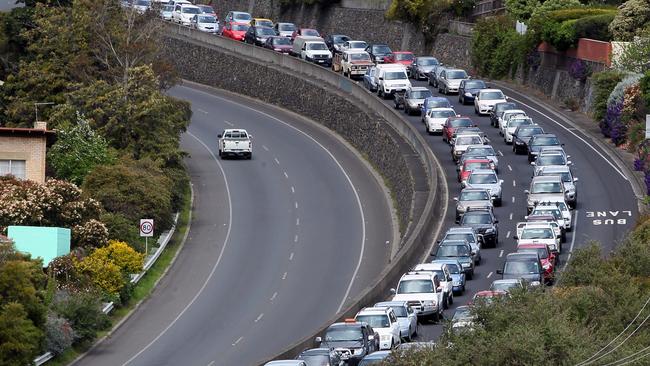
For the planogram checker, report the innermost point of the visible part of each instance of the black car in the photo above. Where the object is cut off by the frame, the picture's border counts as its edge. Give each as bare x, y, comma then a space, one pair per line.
257, 35
525, 266
522, 135
539, 142
498, 110
468, 89
378, 51
335, 41
484, 222
347, 336
320, 356
459, 250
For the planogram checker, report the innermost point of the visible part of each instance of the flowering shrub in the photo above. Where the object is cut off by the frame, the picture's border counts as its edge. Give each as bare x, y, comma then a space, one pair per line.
579, 70
59, 334
612, 118
93, 233
64, 272
618, 93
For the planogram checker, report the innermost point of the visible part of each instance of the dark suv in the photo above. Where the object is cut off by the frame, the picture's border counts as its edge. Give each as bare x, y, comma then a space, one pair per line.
257, 35
539, 142
498, 110
522, 135
459, 250
378, 51
526, 266
352, 339
484, 222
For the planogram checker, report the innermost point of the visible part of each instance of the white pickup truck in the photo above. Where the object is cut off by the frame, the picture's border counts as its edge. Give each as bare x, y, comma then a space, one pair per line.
236, 143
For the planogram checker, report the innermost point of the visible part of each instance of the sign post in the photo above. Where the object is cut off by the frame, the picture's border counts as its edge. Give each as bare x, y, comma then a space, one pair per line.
146, 231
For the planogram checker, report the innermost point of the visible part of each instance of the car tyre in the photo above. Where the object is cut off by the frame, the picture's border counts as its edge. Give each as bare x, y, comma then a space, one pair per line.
450, 299
497, 202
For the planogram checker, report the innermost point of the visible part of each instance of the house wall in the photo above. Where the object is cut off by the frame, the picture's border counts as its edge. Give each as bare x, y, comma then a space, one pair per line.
30, 149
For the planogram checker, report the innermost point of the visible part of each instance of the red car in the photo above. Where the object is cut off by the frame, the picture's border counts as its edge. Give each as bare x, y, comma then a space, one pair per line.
235, 31
452, 123
400, 57
546, 257
304, 32
488, 296
471, 164
278, 44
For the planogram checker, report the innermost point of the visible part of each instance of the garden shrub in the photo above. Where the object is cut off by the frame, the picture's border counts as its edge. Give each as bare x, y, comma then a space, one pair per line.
604, 83
579, 70
594, 27
631, 18
618, 93
119, 227
83, 311
644, 84
59, 334
562, 28
497, 49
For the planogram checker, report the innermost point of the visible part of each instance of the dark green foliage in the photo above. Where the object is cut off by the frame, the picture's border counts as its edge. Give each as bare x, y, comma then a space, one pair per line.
19, 338
497, 49
83, 311
644, 83
562, 28
119, 227
594, 27
604, 83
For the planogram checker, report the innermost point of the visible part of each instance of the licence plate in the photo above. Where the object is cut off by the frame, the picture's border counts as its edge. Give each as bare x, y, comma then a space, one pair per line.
320, 61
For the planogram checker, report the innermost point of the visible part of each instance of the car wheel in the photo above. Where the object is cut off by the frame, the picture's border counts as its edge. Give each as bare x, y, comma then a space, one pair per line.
445, 302
446, 91
497, 202
470, 275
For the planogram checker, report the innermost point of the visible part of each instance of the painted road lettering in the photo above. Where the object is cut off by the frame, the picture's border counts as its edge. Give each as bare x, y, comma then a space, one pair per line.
609, 217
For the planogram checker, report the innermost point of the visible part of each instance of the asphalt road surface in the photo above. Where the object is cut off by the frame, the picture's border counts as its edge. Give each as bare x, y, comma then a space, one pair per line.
276, 245
7, 5
606, 207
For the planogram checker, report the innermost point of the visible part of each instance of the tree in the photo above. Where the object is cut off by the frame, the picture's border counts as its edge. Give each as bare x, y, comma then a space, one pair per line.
19, 338
522, 10
633, 16
23, 282
103, 273
77, 151
635, 56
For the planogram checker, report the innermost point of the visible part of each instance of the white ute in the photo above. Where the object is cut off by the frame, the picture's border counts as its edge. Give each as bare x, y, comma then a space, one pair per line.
423, 292
235, 142
384, 322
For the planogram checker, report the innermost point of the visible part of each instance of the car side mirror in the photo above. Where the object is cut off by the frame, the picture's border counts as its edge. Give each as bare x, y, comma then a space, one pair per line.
569, 162
392, 291
575, 179
381, 78
455, 199
526, 191
566, 191
371, 337
561, 144
496, 221
318, 339
219, 136
516, 237
439, 288
526, 217
499, 271
500, 181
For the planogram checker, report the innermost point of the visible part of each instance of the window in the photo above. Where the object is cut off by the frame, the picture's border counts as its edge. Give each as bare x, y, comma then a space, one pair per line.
13, 167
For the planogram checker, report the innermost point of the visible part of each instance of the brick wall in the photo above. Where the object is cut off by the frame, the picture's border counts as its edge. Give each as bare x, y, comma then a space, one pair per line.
30, 149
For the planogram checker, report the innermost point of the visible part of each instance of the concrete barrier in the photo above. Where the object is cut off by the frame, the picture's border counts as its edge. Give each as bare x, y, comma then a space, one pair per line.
428, 204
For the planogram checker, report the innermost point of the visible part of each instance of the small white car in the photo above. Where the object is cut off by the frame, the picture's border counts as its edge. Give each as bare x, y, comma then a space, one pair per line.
486, 99
538, 233
449, 80
235, 143
384, 322
205, 23
406, 317
422, 292
392, 79
506, 115
353, 45
183, 13
436, 119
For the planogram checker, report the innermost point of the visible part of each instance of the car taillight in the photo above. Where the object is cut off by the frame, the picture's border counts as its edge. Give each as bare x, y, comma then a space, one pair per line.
492, 166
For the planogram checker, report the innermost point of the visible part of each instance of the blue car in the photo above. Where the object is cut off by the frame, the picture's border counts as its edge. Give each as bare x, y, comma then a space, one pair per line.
434, 102
468, 89
370, 79
457, 274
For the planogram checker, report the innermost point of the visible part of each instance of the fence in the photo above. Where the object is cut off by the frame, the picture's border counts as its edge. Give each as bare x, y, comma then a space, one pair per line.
488, 7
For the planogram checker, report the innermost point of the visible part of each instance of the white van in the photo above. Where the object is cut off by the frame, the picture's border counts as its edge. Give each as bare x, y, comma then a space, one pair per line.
312, 49
392, 78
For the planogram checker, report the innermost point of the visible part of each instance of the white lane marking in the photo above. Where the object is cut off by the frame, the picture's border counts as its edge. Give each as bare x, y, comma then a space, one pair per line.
574, 134
514, 183
277, 161
509, 167
298, 222
511, 216
573, 237
501, 253
202, 111
291, 257
274, 296
259, 317
214, 267
354, 189
513, 199
237, 341
228, 123
508, 234
489, 275
265, 148
293, 190
286, 175
284, 276
211, 363
295, 238
295, 204
500, 153
387, 242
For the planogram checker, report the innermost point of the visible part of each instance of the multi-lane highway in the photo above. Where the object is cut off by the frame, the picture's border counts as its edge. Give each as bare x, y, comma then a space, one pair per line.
276, 245
606, 203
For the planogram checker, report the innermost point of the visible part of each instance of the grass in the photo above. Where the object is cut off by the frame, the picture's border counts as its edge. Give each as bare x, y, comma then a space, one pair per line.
143, 289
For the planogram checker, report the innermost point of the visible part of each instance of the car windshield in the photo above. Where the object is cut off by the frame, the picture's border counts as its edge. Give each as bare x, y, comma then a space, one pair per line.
474, 84
468, 140
265, 23
340, 39
509, 116
521, 267
415, 287
143, 2
482, 179
395, 75
265, 31
547, 187
168, 8
286, 27
359, 57
427, 61
400, 311
540, 251
207, 19
453, 268
359, 44
206, 9
537, 233
235, 135
242, 16
310, 32
476, 219
316, 46
453, 251
502, 107
461, 122
492, 95
240, 27
545, 141
555, 159
481, 165
438, 103
191, 10
344, 334
456, 74
375, 321
403, 56
461, 236
382, 49
519, 122
441, 114
483, 150
503, 286
420, 94
281, 41
462, 313
530, 131
474, 196
551, 212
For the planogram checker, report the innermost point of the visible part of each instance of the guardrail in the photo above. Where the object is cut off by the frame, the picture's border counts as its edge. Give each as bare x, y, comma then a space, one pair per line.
419, 241
108, 307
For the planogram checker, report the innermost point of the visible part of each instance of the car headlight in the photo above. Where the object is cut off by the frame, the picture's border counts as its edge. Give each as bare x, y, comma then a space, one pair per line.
385, 337
535, 283
356, 351
466, 264
468, 94
430, 303
490, 231
546, 266
456, 283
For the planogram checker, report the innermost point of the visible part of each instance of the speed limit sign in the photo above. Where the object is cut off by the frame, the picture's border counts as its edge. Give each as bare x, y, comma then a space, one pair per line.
146, 227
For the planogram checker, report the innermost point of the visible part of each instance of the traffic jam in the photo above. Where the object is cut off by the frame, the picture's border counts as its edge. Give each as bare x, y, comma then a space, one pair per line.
491, 157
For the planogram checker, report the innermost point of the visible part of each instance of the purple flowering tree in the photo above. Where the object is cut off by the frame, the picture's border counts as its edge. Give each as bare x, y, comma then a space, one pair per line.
579, 70
610, 124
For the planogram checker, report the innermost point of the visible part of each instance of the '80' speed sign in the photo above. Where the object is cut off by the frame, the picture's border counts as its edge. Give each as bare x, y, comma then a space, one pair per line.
146, 227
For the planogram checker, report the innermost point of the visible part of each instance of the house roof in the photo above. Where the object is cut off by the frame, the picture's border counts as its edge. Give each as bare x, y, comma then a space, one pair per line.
32, 132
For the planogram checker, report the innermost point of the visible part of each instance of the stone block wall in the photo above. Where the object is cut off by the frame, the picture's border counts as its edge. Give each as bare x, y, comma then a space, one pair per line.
453, 49
367, 132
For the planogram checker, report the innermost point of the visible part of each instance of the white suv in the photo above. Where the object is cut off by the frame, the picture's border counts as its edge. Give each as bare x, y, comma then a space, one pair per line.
486, 99
392, 78
444, 275
384, 322
423, 292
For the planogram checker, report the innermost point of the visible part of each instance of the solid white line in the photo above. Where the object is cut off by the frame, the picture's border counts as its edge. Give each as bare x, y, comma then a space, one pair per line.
501, 253
354, 189
277, 161
291, 257
509, 167
500, 153
286, 175
237, 341
259, 317
265, 148
573, 237
489, 275
228, 123
573, 133
214, 267
511, 216
274, 295
202, 111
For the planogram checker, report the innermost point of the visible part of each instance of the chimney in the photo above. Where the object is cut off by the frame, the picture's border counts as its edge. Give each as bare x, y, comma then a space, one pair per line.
40, 125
